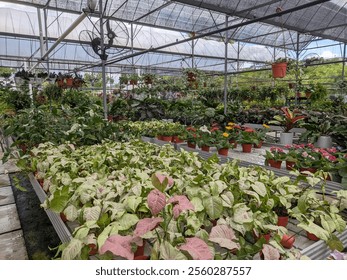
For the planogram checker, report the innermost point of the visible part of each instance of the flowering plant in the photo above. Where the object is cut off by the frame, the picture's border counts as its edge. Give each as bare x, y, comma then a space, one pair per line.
222, 140
261, 132
190, 134
206, 137
248, 136
275, 153
233, 130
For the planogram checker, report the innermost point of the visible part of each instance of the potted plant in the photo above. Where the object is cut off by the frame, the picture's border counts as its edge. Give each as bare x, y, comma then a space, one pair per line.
248, 138
148, 78
190, 136
280, 66
133, 79
318, 130
123, 79
275, 156
206, 138
222, 143
288, 120
234, 133
261, 135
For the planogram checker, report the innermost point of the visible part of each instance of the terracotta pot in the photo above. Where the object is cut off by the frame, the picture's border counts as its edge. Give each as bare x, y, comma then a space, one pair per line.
279, 70
140, 251
310, 169
191, 145
167, 138
63, 217
259, 145
274, 163
177, 140
205, 148
69, 82
110, 118
160, 137
290, 165
288, 241
233, 142
223, 151
311, 236
141, 258
266, 236
247, 148
23, 147
282, 221
93, 249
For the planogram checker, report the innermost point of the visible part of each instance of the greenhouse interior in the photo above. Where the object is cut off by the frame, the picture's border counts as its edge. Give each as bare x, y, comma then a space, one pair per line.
173, 130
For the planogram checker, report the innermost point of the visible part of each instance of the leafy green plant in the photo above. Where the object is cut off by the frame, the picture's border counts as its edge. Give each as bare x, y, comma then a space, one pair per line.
288, 120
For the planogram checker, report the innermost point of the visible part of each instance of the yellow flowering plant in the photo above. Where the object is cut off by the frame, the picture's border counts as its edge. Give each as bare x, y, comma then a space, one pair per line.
222, 140
261, 132
233, 130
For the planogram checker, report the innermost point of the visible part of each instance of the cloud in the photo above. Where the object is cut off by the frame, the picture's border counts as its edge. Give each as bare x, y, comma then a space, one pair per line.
328, 54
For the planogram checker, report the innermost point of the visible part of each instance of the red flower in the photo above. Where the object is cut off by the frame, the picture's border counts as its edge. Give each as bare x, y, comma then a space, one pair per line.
214, 129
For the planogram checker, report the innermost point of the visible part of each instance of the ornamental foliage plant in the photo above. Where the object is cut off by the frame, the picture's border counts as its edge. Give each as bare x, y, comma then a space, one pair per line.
275, 153
125, 195
288, 120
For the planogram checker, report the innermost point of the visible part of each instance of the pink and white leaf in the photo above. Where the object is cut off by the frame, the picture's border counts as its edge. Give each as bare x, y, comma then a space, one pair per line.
119, 246
147, 224
270, 253
224, 236
197, 248
181, 203
156, 201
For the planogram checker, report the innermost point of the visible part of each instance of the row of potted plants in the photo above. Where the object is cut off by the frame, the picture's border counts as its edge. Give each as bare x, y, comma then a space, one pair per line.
307, 157
136, 198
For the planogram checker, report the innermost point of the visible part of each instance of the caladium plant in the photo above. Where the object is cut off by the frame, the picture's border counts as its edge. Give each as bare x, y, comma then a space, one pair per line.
163, 197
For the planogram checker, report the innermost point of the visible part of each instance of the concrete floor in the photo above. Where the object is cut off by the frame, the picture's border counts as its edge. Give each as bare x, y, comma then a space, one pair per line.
11, 235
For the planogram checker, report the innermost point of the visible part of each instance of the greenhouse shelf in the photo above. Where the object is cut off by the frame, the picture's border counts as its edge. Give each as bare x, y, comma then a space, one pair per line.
59, 226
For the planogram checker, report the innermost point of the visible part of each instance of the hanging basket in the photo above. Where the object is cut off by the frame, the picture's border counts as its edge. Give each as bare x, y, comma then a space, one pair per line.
279, 70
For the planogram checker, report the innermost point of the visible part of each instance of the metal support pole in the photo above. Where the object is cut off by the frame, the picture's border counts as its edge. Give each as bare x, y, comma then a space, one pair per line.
40, 31
193, 50
132, 43
238, 63
62, 37
103, 60
297, 74
344, 62
226, 68
46, 36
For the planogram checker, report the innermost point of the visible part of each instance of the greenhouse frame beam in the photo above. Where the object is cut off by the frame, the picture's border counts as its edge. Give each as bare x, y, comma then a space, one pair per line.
153, 11
297, 8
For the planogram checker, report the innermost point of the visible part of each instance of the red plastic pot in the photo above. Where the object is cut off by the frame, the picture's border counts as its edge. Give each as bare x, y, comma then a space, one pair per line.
167, 138
69, 82
279, 70
247, 148
63, 217
93, 249
274, 163
266, 236
223, 151
191, 145
282, 221
205, 148
140, 251
311, 169
141, 258
160, 137
290, 165
259, 145
288, 241
177, 140
311, 236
